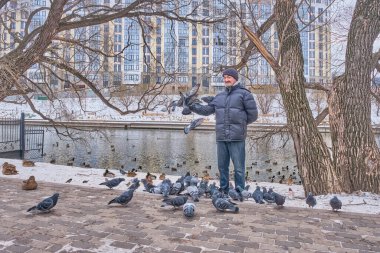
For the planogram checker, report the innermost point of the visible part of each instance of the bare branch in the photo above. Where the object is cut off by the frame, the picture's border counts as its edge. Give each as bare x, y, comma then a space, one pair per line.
262, 49
320, 117
3, 3
251, 46
316, 86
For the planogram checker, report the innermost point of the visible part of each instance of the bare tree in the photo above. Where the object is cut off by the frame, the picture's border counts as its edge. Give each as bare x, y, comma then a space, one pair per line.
74, 46
354, 162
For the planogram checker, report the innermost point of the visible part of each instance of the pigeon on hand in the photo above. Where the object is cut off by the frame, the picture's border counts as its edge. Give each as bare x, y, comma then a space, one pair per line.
124, 198
113, 182
187, 98
189, 209
186, 110
310, 200
193, 124
175, 202
335, 204
45, 205
222, 204
207, 99
258, 195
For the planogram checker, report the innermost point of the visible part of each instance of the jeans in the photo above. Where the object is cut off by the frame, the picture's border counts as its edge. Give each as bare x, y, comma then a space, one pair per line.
234, 150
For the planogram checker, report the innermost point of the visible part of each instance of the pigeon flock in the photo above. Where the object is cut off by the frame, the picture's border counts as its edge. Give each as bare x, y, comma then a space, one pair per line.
187, 191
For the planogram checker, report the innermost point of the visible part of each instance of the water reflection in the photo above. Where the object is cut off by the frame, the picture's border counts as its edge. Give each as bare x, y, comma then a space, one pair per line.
169, 151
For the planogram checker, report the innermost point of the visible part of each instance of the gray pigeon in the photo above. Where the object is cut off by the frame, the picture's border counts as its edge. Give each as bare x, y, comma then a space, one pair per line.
124, 198
188, 98
113, 182
222, 204
207, 99
165, 187
258, 195
193, 191
189, 209
45, 205
244, 192
135, 183
310, 200
279, 199
335, 204
176, 188
268, 195
193, 124
148, 187
235, 194
175, 202
186, 110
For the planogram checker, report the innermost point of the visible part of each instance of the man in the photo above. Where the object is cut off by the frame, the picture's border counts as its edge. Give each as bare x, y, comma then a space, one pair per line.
234, 109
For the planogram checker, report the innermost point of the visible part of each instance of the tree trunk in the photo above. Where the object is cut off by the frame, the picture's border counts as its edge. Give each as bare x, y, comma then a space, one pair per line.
314, 162
355, 152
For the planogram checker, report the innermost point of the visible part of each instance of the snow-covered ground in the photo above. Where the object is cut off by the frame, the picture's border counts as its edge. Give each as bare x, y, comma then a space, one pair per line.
361, 202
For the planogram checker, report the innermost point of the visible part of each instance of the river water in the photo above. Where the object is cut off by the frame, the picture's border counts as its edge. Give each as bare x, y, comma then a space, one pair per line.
168, 151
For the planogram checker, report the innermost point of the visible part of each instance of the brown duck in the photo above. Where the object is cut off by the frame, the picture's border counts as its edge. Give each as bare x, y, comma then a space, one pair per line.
29, 184
162, 176
9, 169
108, 173
27, 163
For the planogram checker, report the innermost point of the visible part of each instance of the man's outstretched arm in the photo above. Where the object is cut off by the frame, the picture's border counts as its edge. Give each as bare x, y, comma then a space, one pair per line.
204, 110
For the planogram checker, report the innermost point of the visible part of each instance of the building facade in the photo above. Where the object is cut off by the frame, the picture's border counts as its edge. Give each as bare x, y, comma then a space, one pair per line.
178, 53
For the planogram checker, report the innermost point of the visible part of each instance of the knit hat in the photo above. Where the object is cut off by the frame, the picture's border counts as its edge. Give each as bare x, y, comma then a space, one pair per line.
231, 72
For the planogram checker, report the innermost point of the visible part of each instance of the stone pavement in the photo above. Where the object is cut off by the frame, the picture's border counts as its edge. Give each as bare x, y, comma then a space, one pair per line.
82, 222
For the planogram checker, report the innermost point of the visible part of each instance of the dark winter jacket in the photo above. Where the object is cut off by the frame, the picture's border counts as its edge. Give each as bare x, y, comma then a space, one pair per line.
234, 109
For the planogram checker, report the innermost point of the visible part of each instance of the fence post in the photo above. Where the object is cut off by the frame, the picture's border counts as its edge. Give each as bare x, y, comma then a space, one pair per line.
22, 135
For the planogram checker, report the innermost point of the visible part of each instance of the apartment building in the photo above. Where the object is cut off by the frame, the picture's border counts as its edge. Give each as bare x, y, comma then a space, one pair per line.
178, 53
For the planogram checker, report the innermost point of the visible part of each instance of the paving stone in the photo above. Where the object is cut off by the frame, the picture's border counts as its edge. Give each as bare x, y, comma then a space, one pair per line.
90, 224
186, 248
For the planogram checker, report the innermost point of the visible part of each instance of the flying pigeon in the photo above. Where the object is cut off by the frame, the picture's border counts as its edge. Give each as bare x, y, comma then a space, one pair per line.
45, 205
310, 200
113, 182
189, 209
335, 204
175, 202
193, 124
124, 198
